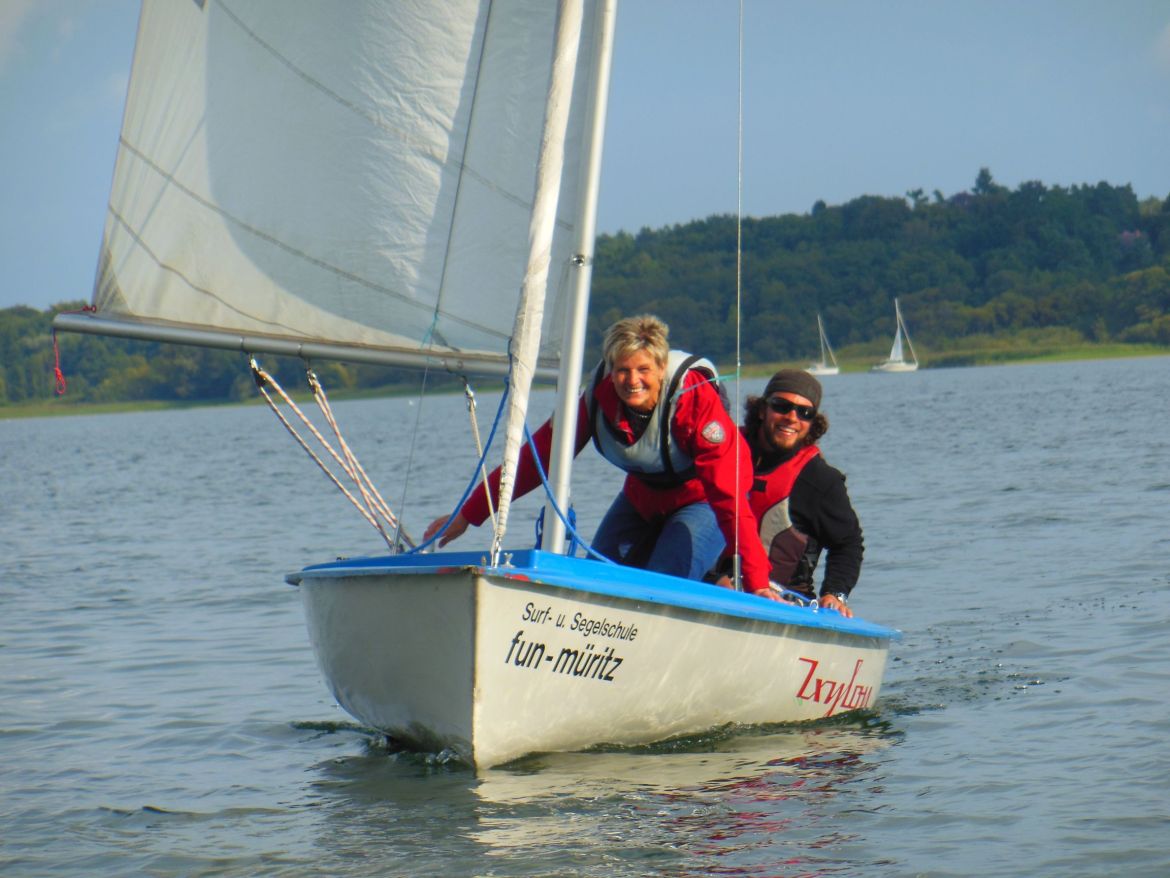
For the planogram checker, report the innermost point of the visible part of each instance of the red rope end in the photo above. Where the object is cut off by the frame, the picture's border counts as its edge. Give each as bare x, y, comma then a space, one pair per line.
58, 375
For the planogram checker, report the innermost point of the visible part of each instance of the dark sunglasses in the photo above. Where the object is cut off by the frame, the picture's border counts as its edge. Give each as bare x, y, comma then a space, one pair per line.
783, 406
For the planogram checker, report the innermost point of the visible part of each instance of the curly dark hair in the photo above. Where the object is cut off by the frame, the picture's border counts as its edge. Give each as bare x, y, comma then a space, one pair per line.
753, 417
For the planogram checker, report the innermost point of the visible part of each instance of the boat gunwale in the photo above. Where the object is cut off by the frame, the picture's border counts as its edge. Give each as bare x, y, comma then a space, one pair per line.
536, 568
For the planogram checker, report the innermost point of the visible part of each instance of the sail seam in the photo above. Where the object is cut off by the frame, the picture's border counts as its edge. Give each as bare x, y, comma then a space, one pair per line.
462, 169
124, 223
375, 120
294, 251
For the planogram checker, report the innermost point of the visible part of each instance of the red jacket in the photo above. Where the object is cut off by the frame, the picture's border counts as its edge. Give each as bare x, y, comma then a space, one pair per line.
697, 410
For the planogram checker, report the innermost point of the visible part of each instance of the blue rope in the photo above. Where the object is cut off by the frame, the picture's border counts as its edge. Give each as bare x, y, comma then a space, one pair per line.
538, 528
569, 529
473, 484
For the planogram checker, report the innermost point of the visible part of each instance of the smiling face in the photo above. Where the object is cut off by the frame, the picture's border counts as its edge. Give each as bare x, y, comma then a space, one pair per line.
786, 431
637, 378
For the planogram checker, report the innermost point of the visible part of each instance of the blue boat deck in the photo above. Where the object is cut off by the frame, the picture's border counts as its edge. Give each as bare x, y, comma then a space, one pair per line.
612, 580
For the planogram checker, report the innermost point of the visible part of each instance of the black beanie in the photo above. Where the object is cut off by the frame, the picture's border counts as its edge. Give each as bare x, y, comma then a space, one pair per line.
795, 381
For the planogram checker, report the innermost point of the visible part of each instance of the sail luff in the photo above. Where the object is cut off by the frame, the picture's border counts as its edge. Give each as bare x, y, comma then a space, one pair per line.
581, 266
826, 348
906, 332
530, 310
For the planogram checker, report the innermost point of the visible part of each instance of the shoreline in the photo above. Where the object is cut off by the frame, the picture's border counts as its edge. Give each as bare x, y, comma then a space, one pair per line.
849, 363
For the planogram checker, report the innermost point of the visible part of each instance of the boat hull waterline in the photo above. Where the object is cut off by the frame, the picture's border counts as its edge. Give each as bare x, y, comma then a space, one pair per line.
557, 654
899, 366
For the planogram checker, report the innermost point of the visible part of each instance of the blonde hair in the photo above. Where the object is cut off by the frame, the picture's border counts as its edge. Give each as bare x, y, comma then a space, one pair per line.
645, 332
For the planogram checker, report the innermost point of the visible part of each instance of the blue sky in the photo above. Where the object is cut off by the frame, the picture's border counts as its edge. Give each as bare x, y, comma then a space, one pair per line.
841, 98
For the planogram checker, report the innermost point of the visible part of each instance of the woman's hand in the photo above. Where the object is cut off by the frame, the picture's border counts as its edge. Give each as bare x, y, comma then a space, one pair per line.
771, 593
458, 526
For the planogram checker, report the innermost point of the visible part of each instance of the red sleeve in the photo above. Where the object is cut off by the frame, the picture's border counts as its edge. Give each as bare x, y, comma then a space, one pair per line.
475, 510
705, 431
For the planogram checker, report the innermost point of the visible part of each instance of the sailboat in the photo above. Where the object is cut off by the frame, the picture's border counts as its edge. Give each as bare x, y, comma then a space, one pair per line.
897, 361
403, 184
827, 364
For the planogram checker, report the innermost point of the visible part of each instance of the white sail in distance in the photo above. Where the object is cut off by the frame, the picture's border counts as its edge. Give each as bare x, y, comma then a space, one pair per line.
896, 349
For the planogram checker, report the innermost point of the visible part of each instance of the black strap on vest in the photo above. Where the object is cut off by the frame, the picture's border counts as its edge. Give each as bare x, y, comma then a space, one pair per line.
591, 405
668, 416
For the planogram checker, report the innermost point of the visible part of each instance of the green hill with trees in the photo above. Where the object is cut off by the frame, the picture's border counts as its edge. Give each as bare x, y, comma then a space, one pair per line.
985, 274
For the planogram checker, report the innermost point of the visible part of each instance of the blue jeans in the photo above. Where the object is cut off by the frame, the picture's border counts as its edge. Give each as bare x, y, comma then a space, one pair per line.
687, 543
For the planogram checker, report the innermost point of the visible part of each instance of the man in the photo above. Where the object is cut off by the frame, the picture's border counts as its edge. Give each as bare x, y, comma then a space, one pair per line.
799, 501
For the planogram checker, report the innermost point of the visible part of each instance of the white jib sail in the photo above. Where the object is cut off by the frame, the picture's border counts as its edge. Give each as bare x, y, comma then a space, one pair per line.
896, 350
356, 174
530, 311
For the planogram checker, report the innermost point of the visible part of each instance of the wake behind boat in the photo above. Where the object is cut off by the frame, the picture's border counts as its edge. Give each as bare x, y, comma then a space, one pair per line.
291, 180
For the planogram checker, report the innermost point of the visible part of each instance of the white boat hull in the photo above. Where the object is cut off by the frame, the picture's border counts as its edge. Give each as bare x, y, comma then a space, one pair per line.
443, 652
818, 369
896, 367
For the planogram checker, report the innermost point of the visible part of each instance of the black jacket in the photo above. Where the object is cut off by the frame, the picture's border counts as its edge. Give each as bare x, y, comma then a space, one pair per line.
819, 508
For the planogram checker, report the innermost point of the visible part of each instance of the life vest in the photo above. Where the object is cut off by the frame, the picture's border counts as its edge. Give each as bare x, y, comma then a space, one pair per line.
655, 457
785, 544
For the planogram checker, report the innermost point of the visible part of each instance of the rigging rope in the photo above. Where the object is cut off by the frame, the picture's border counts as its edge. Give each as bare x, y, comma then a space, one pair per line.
422, 392
735, 574
372, 507
570, 520
471, 485
479, 450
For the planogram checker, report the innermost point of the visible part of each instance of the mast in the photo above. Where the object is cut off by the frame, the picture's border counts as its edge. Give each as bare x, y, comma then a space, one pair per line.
569, 380
530, 309
826, 348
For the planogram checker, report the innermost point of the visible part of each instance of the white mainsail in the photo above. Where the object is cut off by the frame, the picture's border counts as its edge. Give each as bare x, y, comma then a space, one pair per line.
896, 350
827, 364
285, 176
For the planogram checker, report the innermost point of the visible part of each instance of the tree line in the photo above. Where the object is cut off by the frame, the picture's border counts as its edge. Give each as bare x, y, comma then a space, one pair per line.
989, 261
1090, 260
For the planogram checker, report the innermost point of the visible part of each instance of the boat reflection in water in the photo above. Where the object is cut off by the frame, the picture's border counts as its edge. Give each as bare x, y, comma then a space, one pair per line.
719, 802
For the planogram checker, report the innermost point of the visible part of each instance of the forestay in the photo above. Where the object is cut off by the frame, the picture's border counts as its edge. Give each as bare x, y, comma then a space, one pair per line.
340, 204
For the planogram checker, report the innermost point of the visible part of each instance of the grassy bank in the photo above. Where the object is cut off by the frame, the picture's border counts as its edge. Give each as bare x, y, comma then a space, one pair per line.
1040, 347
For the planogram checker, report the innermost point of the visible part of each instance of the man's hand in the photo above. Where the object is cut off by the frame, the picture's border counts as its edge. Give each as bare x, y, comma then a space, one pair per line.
832, 602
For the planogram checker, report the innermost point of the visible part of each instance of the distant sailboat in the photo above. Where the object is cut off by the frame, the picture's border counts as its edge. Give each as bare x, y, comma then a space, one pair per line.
827, 365
897, 360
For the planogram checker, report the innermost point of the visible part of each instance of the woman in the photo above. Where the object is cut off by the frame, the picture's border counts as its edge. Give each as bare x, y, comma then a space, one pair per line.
658, 415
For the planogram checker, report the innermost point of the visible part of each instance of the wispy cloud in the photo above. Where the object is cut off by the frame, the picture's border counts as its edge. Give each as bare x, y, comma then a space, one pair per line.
13, 14
66, 27
1162, 48
116, 85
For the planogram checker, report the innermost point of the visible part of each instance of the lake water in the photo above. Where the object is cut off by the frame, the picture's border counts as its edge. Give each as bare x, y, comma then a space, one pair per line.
161, 713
